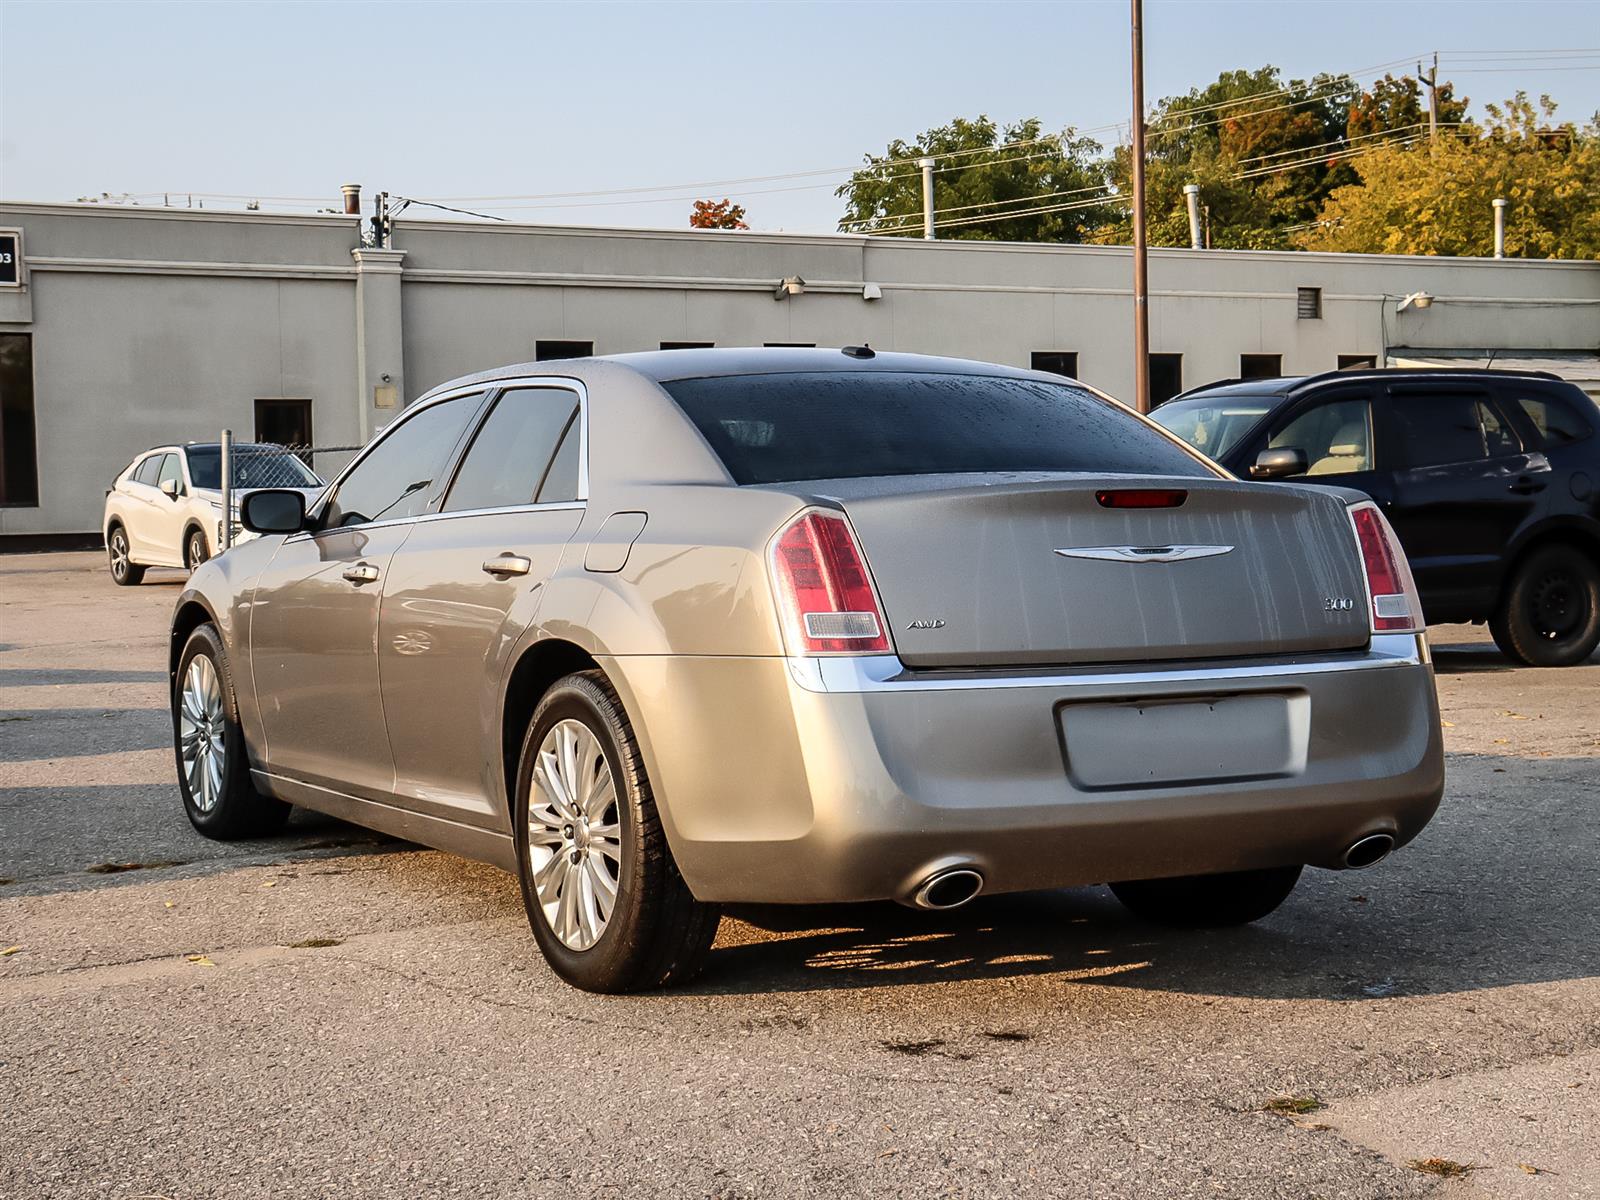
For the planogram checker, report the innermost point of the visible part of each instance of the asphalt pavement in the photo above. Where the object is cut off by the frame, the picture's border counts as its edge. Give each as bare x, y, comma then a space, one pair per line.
331, 1013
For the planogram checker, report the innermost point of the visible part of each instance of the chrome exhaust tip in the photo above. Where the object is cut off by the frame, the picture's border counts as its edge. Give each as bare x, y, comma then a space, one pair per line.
948, 889
1368, 851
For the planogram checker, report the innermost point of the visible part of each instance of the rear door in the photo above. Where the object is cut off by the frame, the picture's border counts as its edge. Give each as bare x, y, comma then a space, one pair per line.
140, 510
466, 583
1464, 485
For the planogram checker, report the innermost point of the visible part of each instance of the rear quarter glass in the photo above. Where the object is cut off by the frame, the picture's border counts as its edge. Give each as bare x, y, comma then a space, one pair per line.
843, 425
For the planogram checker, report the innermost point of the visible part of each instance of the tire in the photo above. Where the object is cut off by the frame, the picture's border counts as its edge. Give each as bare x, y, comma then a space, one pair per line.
655, 932
1208, 901
124, 571
1549, 612
219, 798
194, 549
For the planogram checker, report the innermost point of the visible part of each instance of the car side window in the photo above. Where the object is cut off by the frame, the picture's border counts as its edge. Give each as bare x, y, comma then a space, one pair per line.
148, 470
1336, 437
395, 478
1440, 428
170, 469
511, 452
1558, 423
561, 480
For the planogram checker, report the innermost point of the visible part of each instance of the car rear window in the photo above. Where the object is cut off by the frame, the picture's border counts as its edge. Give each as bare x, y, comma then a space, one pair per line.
1559, 423
849, 425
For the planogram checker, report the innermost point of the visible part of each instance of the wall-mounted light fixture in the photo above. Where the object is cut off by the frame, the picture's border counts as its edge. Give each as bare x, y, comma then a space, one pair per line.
1414, 300
792, 285
871, 291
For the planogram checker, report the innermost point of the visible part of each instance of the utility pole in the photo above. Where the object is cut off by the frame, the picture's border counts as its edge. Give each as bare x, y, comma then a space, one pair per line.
1431, 80
927, 197
1141, 274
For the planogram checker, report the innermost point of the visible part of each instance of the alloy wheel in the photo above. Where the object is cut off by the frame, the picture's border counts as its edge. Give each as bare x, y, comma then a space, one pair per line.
201, 729
119, 554
574, 835
197, 550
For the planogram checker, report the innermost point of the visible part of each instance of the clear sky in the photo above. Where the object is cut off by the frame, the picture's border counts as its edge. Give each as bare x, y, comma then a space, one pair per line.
517, 99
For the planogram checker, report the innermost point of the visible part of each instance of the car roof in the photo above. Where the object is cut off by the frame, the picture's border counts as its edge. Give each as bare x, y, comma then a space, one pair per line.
1294, 384
664, 366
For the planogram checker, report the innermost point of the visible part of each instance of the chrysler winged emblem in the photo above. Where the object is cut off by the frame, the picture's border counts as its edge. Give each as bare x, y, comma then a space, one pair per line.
1143, 554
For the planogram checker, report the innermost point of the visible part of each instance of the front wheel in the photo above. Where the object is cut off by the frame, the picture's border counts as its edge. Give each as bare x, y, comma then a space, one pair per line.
605, 900
1549, 614
124, 572
195, 551
213, 771
1208, 901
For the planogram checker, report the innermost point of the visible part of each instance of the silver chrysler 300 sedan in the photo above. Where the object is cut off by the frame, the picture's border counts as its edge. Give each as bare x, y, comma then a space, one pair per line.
664, 631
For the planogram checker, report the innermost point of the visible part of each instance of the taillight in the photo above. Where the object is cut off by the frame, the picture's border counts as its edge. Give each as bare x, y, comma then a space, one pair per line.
1396, 607
824, 592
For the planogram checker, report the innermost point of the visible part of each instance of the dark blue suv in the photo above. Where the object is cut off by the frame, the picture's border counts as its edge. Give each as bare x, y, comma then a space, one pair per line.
1491, 479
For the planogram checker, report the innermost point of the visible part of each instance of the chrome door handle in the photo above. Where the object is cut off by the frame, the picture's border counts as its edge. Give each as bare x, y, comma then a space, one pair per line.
508, 564
361, 573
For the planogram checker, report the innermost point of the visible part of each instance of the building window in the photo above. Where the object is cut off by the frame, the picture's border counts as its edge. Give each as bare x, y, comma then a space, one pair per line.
19, 465
1308, 304
687, 345
1357, 362
1260, 366
284, 422
790, 345
1166, 377
1057, 362
547, 351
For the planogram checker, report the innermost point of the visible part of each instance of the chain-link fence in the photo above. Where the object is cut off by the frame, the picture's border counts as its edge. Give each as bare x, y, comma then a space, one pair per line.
265, 465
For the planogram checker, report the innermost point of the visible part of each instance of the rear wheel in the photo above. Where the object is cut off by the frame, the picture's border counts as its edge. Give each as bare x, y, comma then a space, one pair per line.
213, 771
605, 900
1549, 613
124, 572
1209, 901
194, 549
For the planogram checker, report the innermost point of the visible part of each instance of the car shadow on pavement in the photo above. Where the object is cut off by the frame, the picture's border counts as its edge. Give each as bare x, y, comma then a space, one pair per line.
61, 676
1484, 898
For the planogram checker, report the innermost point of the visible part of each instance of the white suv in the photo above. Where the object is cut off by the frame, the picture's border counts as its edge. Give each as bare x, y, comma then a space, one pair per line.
165, 508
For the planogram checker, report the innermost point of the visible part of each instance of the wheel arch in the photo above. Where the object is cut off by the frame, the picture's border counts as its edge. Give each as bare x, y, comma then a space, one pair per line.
533, 674
190, 615
1579, 536
193, 525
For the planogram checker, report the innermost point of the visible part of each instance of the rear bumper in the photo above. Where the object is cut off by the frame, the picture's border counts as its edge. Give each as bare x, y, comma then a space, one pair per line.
819, 780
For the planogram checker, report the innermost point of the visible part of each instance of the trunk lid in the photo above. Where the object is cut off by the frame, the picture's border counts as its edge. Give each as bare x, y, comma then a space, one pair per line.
969, 575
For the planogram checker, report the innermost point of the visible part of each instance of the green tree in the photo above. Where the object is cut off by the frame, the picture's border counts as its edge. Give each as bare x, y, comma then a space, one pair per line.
1393, 104
984, 171
1419, 199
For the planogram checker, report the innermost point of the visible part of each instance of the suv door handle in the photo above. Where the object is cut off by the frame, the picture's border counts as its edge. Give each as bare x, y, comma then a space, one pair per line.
508, 564
1526, 486
361, 573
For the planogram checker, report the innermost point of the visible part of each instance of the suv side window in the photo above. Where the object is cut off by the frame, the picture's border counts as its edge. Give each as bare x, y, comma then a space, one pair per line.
1436, 428
170, 469
511, 452
396, 477
1558, 423
146, 473
1336, 436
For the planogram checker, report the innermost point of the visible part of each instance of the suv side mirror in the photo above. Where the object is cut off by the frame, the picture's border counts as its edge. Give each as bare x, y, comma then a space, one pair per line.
273, 510
169, 488
1279, 463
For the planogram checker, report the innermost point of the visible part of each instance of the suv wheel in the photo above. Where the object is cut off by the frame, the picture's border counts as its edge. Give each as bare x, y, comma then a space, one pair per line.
1549, 613
124, 572
1208, 901
194, 549
607, 905
213, 773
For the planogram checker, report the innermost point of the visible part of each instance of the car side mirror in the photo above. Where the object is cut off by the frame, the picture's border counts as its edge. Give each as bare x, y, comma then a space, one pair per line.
1280, 463
273, 510
169, 488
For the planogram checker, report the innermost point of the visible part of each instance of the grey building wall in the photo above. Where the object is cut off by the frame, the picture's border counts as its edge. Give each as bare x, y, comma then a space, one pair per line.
153, 325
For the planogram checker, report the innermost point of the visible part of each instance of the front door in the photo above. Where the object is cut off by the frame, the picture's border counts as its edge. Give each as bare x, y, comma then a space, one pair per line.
461, 591
1335, 431
314, 615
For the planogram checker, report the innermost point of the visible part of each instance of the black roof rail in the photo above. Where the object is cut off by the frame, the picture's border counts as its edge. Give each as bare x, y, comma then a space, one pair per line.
1206, 387
1348, 372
